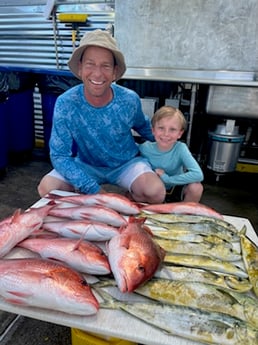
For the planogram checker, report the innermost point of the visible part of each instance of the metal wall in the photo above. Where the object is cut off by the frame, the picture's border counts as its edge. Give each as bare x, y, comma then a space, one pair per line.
29, 39
32, 41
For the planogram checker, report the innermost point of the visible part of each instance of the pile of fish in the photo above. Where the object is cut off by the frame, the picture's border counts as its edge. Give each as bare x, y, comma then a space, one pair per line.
197, 274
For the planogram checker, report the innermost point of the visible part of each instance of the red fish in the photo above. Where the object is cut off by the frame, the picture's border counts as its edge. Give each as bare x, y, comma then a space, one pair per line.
88, 230
115, 201
95, 213
183, 207
133, 255
46, 284
80, 255
20, 226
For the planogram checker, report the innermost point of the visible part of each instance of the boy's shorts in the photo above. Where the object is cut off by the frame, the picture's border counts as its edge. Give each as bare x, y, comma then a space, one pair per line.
174, 194
123, 176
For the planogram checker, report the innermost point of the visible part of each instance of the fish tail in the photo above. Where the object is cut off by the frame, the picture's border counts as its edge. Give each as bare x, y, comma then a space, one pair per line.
108, 302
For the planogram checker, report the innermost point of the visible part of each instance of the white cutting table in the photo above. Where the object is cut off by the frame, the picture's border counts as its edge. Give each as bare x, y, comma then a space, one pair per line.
114, 323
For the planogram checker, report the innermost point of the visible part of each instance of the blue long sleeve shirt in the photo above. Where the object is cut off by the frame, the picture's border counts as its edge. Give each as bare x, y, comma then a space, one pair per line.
98, 136
178, 163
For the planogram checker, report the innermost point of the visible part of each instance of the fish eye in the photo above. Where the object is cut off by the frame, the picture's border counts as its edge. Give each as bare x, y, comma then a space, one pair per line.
141, 268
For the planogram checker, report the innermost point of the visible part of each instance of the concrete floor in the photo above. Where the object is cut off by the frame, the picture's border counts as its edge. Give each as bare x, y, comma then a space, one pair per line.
235, 194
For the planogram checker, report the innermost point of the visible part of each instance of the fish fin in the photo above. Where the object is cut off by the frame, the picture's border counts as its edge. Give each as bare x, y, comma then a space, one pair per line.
243, 230
109, 302
147, 229
19, 294
17, 301
74, 231
77, 244
16, 215
52, 196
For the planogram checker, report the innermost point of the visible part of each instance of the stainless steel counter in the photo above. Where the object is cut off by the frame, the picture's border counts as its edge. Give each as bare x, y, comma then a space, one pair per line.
215, 77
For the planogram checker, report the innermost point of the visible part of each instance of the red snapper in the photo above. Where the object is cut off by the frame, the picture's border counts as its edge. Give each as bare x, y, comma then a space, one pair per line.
133, 255
22, 224
46, 284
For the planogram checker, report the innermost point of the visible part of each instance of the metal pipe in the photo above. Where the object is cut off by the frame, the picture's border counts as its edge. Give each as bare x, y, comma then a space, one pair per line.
191, 113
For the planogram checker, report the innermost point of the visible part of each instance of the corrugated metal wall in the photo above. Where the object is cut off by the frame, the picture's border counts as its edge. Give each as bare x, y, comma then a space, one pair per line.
31, 42
29, 39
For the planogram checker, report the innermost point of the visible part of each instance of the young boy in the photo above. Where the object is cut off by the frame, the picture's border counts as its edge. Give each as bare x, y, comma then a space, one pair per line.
171, 159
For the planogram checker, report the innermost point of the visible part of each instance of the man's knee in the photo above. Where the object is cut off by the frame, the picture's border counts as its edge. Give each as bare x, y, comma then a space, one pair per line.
148, 188
42, 187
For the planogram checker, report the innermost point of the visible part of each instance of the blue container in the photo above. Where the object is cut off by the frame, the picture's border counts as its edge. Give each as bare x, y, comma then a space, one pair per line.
3, 136
20, 122
48, 101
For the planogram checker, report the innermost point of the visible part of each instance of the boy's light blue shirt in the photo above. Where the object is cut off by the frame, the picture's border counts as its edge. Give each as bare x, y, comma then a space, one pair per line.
100, 137
178, 163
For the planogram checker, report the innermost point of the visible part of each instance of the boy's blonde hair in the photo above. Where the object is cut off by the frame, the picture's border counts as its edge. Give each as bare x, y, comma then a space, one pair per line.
168, 111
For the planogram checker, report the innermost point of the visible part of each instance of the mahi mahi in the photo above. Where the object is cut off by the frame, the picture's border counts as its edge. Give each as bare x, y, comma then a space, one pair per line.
187, 235
206, 263
218, 251
179, 218
202, 296
182, 273
187, 322
250, 257
201, 228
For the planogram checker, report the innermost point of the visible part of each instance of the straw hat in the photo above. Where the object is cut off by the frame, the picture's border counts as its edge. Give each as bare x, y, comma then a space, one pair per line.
98, 38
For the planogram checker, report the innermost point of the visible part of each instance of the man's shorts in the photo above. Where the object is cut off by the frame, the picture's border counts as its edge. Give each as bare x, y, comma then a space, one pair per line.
174, 194
123, 176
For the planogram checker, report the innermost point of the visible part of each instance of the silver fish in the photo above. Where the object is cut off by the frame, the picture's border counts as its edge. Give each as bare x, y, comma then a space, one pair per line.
190, 323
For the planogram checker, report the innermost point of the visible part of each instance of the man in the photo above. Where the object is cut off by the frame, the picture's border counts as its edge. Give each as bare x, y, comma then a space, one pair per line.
91, 141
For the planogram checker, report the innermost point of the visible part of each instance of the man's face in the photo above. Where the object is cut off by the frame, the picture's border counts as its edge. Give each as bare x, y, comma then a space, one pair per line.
97, 71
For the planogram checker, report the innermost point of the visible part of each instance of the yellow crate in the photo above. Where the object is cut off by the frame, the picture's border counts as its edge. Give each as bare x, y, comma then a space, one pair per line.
249, 168
82, 338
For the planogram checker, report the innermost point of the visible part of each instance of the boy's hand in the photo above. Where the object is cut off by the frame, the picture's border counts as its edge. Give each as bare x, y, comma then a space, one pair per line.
159, 172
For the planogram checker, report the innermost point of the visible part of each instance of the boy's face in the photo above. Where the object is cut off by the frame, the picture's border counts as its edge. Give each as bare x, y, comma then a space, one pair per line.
166, 132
